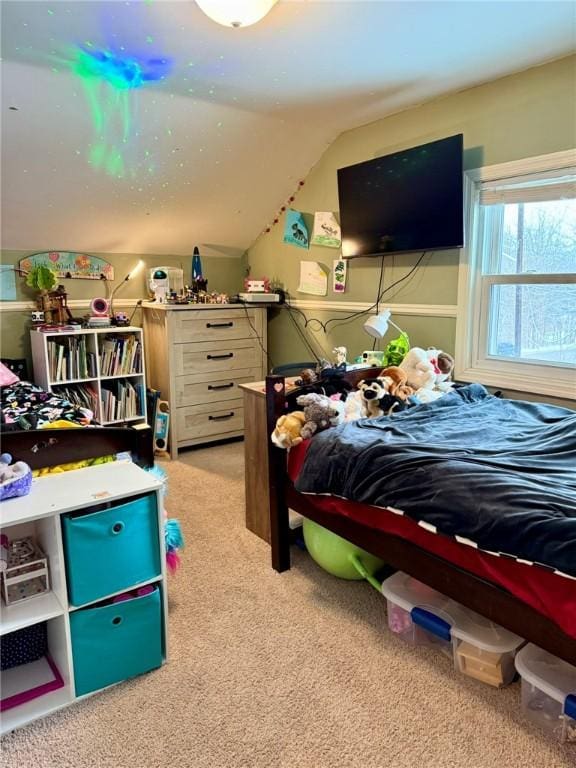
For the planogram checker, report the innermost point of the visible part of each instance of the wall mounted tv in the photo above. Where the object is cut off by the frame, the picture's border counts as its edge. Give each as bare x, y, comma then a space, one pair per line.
407, 201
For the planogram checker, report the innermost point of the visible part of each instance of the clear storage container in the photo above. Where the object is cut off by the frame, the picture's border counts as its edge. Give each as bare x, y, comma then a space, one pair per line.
548, 692
422, 616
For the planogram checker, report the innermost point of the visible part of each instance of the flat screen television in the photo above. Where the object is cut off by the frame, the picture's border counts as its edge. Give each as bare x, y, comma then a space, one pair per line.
407, 201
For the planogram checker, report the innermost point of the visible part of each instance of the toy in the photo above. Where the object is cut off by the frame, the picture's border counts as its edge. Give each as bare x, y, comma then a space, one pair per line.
377, 398
396, 380
397, 350
173, 538
26, 572
15, 479
443, 366
338, 556
307, 376
340, 353
288, 428
320, 412
420, 372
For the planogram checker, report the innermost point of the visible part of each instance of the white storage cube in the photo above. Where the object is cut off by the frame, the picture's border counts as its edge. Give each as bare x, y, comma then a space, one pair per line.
548, 692
26, 573
422, 616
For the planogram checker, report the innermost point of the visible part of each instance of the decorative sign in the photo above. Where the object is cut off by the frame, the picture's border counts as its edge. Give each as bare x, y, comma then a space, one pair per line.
70, 265
326, 230
295, 230
339, 276
313, 279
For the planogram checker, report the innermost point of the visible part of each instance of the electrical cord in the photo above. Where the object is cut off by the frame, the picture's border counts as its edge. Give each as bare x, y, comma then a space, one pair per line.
352, 316
270, 364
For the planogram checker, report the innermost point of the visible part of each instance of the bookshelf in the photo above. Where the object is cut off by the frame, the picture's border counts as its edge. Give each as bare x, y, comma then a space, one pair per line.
97, 368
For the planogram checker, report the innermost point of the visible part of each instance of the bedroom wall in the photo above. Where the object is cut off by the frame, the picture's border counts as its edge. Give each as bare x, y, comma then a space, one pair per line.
527, 114
223, 274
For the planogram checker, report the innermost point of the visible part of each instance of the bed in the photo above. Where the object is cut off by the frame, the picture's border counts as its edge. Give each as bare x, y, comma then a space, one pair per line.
25, 406
529, 596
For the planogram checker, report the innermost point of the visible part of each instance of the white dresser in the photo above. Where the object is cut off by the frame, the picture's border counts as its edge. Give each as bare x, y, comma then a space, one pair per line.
197, 355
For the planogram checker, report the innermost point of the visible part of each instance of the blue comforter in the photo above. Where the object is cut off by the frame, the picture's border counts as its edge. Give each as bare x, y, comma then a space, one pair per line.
498, 473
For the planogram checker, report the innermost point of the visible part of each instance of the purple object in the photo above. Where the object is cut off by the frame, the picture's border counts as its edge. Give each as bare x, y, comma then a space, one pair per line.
15, 479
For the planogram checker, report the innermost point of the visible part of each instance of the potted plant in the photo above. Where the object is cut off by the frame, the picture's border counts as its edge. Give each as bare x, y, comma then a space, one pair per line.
42, 279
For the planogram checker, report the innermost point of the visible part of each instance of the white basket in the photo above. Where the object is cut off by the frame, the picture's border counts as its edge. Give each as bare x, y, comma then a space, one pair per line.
26, 574
422, 616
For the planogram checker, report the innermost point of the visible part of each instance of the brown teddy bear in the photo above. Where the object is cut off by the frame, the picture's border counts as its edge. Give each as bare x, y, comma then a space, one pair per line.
320, 412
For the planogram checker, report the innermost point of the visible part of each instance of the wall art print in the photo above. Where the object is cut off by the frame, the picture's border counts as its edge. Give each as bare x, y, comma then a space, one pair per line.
69, 264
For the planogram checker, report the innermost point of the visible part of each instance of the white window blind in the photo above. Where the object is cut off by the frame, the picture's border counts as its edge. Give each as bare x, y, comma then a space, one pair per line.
531, 189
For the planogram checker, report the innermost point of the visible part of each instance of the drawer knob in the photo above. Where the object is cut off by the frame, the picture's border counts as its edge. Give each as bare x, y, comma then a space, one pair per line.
221, 386
220, 325
220, 357
219, 418
117, 528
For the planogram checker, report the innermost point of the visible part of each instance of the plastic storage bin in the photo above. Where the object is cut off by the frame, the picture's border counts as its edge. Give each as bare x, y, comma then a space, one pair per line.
116, 641
111, 550
421, 616
548, 692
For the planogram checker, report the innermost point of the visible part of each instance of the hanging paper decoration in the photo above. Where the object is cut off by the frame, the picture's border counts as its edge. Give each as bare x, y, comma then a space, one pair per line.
295, 230
339, 276
326, 230
284, 207
70, 265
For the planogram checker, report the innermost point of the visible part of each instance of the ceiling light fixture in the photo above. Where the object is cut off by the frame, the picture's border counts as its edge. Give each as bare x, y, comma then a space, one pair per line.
236, 13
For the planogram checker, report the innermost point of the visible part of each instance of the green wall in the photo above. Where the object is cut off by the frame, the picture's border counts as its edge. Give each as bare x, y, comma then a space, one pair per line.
528, 114
223, 274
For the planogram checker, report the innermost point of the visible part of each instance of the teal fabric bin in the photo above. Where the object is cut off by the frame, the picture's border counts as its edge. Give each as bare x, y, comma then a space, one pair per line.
113, 642
111, 550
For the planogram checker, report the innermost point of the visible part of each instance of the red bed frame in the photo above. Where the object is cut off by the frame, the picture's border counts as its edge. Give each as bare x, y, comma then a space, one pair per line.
467, 588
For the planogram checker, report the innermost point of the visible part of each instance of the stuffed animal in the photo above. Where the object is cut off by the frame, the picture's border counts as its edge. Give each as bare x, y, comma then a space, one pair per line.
396, 380
15, 479
288, 428
420, 372
376, 399
321, 412
443, 366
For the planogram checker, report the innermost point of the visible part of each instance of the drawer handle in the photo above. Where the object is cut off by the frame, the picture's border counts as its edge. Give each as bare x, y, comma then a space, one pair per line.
219, 418
220, 325
221, 386
117, 620
220, 357
117, 528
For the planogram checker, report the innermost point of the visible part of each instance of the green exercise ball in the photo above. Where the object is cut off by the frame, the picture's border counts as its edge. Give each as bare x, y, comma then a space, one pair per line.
338, 556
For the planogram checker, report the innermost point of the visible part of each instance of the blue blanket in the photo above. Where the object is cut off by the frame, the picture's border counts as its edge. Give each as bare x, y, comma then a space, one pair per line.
498, 473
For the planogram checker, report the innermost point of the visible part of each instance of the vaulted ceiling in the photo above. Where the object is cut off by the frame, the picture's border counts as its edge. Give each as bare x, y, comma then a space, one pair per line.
223, 122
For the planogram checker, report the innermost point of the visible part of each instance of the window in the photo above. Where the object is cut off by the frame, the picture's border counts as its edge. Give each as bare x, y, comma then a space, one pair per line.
517, 287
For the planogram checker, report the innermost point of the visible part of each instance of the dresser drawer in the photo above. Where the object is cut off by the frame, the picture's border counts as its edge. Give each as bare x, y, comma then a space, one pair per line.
212, 388
205, 357
198, 421
213, 325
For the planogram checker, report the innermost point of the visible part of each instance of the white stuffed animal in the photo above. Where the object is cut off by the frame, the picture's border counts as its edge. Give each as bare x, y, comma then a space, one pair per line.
420, 371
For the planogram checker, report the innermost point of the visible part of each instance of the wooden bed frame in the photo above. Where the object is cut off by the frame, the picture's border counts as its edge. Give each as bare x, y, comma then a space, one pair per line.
48, 447
481, 596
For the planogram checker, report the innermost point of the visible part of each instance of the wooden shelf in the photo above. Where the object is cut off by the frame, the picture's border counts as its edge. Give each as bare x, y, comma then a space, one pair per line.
121, 376
32, 710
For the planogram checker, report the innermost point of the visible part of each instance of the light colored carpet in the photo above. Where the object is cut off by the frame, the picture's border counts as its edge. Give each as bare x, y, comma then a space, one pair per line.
275, 671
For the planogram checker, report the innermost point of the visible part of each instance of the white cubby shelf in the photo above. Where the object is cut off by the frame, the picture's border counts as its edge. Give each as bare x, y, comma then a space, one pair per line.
103, 368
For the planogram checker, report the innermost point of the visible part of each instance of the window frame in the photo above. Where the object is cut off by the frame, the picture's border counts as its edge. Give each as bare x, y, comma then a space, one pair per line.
473, 310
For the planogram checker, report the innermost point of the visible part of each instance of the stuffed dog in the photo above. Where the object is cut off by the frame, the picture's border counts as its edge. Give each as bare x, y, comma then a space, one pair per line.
376, 398
320, 413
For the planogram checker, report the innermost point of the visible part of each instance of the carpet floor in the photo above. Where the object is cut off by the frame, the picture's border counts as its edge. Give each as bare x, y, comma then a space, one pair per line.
275, 671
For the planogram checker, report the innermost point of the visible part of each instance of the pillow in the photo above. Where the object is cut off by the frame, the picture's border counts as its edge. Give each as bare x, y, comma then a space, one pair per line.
6, 376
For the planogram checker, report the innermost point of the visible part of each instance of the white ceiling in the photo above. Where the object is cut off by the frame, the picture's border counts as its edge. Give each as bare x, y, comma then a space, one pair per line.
212, 151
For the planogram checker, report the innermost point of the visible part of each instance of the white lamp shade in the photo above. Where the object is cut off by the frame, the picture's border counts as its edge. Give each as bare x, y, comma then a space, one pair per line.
378, 324
236, 13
